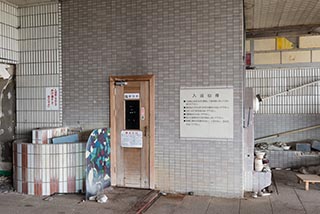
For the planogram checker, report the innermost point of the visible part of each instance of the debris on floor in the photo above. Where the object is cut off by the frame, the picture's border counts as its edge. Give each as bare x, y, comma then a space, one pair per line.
260, 194
302, 146
49, 198
101, 198
6, 184
310, 170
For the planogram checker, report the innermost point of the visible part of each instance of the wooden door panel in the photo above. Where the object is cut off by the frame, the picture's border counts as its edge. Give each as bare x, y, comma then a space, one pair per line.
131, 166
119, 106
132, 170
132, 157
145, 125
132, 163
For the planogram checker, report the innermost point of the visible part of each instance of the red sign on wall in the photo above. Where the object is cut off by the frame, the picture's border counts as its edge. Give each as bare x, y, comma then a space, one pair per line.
248, 59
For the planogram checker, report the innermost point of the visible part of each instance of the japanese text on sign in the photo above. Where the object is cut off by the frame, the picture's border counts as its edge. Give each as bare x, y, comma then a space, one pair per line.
131, 139
52, 98
206, 112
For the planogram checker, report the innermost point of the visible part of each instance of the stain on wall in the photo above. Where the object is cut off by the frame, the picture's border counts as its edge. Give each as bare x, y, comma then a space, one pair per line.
7, 114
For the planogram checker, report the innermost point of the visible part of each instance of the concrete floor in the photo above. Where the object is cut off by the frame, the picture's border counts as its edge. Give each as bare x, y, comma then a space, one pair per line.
120, 200
292, 198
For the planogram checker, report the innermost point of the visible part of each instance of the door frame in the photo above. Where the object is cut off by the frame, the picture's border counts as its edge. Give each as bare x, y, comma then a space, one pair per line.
113, 122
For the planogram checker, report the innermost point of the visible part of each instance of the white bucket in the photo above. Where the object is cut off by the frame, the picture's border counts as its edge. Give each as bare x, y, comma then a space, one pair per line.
260, 155
258, 165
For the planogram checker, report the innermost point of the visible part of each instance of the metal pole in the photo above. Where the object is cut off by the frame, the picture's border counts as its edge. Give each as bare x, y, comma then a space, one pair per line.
290, 90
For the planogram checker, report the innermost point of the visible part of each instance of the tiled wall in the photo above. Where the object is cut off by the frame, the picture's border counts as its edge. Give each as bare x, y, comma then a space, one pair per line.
260, 180
8, 33
269, 124
39, 67
292, 159
183, 43
44, 169
274, 52
292, 110
301, 100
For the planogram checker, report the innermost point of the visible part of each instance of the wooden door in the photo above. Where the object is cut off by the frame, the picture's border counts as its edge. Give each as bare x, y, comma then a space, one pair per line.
131, 102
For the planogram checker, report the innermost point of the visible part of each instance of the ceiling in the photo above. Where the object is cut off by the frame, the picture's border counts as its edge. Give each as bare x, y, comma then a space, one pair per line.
277, 17
264, 18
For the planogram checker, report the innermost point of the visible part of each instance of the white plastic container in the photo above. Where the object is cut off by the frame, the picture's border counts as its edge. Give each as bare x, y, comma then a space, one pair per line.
260, 155
258, 165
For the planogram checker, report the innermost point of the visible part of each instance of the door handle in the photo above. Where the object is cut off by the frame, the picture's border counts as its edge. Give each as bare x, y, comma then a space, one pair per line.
145, 131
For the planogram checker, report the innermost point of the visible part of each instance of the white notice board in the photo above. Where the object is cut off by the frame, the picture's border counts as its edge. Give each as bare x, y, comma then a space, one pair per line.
206, 113
131, 139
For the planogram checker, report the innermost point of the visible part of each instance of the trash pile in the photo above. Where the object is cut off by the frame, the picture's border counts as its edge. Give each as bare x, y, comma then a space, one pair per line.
6, 184
277, 146
100, 198
302, 146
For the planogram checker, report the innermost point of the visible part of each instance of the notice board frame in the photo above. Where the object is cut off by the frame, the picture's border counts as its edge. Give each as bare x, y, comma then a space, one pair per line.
215, 114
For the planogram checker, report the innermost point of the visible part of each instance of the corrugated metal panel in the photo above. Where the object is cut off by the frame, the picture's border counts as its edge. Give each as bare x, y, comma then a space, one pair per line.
39, 67
268, 82
8, 34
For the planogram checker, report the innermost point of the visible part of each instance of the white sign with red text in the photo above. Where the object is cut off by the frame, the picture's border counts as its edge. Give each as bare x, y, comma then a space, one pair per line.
131, 138
52, 98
